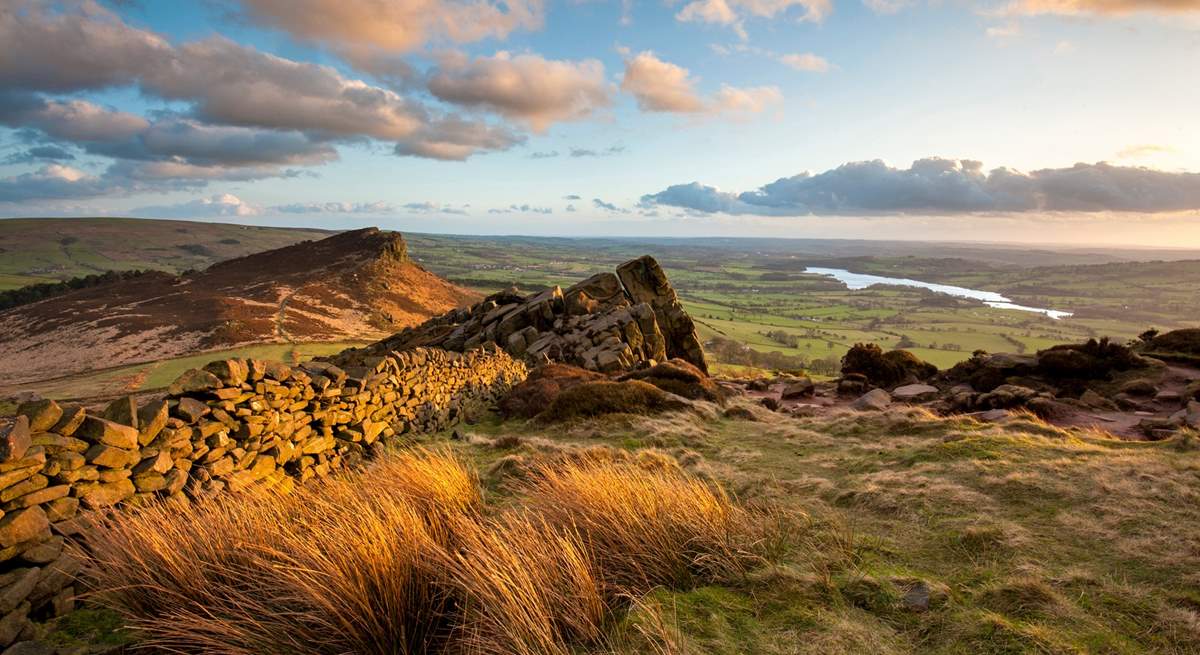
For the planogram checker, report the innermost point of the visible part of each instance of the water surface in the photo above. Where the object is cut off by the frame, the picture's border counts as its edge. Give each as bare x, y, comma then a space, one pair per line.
855, 281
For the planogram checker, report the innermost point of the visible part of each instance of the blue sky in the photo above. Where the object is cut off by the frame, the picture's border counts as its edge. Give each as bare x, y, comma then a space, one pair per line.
678, 123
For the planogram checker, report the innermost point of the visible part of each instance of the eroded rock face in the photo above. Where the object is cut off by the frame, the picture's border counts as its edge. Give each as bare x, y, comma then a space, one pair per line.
607, 322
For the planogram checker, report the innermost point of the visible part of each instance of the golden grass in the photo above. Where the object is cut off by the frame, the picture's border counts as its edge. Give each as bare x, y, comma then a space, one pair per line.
649, 527
404, 557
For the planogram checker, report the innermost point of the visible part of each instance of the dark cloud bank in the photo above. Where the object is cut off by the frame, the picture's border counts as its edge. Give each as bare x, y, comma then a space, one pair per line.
940, 186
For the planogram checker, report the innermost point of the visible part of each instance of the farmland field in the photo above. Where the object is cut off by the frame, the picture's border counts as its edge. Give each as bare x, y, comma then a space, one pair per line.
759, 295
754, 303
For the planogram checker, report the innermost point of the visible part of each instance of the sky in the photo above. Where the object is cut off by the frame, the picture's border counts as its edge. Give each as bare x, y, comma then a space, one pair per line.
1055, 121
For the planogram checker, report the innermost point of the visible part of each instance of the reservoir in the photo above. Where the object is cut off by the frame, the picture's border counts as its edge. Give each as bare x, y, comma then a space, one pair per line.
855, 281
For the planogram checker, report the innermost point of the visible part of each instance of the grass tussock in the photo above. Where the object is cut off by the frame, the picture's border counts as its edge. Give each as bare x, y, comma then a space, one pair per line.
406, 558
649, 526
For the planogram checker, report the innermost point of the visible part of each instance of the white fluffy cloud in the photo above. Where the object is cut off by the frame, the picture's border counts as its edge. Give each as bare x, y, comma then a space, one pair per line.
359, 26
733, 13
219, 205
525, 87
938, 185
660, 86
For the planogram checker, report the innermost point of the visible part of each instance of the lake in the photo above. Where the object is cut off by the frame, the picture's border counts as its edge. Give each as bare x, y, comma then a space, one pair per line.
855, 281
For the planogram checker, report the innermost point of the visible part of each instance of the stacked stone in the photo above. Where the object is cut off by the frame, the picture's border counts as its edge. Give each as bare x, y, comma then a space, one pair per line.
232, 425
606, 323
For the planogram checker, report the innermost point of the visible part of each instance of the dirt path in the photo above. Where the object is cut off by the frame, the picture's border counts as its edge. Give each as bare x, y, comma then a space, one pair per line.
280, 331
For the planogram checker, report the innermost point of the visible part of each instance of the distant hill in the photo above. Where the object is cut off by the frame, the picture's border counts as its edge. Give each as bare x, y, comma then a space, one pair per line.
36, 250
353, 285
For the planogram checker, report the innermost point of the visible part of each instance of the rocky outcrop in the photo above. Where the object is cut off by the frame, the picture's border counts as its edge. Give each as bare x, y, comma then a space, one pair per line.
233, 425
608, 323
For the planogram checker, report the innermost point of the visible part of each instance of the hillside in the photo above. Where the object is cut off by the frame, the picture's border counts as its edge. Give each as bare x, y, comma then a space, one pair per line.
37, 250
354, 285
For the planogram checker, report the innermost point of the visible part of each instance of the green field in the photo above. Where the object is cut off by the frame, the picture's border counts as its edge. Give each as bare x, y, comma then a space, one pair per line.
742, 290
738, 289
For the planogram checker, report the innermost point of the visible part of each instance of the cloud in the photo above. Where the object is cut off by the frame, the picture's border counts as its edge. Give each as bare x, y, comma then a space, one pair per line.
525, 209
802, 61
361, 28
1100, 7
86, 47
39, 153
1142, 150
219, 205
571, 197
733, 13
806, 61
526, 87
547, 154
335, 208
600, 204
51, 181
936, 185
70, 120
587, 152
1005, 31
660, 86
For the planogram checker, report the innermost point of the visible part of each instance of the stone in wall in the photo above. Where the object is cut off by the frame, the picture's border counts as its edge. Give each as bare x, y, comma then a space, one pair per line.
230, 426
608, 322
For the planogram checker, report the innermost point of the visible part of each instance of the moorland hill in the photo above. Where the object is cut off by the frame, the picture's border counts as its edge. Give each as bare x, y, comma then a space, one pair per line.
354, 285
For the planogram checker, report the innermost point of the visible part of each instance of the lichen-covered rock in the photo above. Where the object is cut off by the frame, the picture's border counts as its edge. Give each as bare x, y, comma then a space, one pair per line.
42, 414
14, 438
193, 381
873, 400
103, 431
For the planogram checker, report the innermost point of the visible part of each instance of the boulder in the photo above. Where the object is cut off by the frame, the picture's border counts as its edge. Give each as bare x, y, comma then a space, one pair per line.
193, 381
646, 282
42, 414
885, 369
873, 400
14, 438
1095, 400
1140, 387
915, 393
1168, 397
798, 388
102, 431
22, 525
122, 410
231, 372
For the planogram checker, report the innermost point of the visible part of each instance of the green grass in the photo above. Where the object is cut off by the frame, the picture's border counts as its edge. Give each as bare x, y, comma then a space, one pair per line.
1032, 539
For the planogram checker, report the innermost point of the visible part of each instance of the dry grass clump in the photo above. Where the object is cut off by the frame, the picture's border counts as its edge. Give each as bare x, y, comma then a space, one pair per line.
339, 566
528, 587
406, 558
647, 527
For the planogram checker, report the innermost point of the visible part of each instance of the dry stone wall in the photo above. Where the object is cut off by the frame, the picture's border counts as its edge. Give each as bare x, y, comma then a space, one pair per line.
608, 322
233, 425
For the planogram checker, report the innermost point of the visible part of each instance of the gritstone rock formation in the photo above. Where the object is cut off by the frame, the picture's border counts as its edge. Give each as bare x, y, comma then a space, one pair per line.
608, 322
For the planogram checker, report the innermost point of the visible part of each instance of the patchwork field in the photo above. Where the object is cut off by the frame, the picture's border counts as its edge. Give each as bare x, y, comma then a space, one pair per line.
743, 290
744, 293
